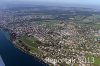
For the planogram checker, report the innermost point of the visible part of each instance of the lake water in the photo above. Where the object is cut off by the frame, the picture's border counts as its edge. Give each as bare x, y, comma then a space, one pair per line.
13, 56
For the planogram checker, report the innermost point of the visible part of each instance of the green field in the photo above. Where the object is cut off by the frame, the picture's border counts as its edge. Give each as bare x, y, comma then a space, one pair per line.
96, 60
31, 42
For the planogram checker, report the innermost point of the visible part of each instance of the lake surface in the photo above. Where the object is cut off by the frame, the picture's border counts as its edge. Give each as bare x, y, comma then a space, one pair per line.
13, 56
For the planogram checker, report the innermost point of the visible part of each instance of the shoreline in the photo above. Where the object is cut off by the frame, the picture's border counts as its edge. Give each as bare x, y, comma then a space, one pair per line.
29, 53
22, 50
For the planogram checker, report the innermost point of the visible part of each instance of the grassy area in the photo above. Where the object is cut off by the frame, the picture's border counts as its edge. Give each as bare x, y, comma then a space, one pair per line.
31, 42
90, 20
96, 59
97, 26
48, 22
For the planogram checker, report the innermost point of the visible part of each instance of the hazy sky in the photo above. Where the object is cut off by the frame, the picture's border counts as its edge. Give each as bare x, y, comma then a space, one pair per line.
84, 2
